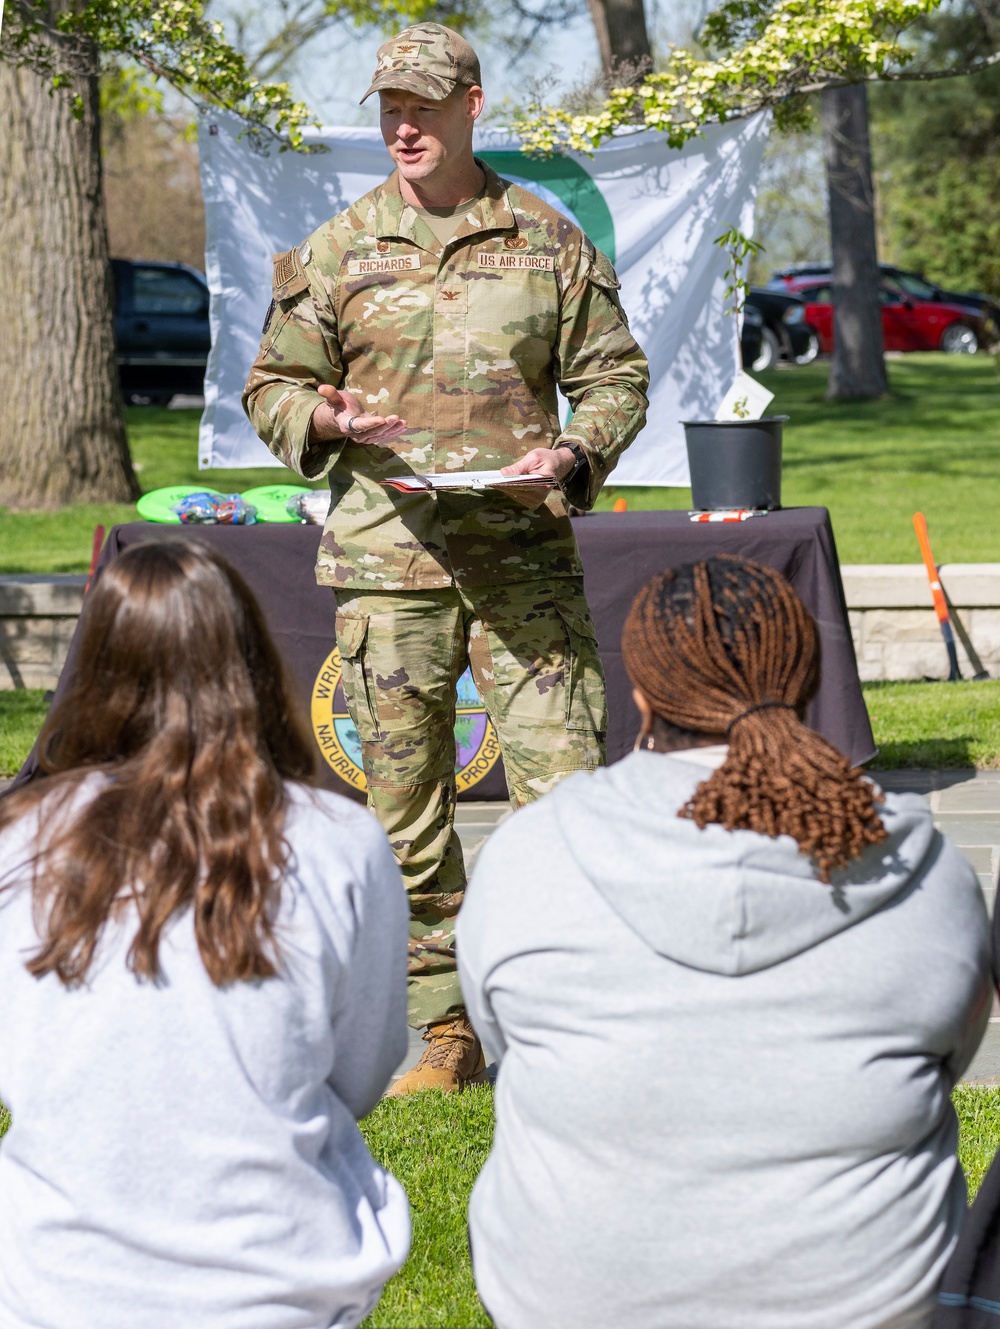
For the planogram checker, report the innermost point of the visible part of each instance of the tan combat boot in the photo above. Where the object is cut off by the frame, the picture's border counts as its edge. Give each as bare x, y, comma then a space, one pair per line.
454, 1058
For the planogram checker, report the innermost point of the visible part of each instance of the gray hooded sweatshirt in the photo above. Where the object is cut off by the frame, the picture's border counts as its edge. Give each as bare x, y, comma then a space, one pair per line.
723, 1097
186, 1156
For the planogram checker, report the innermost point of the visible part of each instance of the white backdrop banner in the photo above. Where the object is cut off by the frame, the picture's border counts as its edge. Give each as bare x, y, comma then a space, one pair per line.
653, 209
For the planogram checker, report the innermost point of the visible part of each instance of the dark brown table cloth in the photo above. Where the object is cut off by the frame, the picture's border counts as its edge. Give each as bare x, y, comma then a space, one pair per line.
620, 551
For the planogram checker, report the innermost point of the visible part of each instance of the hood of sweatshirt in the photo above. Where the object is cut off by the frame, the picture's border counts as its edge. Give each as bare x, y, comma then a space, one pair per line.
730, 902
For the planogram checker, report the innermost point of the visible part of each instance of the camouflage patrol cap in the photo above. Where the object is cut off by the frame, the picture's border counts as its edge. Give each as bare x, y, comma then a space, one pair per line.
427, 59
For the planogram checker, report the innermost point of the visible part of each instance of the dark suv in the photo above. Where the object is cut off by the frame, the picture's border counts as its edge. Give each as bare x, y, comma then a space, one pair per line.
162, 336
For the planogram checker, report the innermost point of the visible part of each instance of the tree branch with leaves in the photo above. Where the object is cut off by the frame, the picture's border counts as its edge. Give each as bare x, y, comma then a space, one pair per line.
63, 438
773, 55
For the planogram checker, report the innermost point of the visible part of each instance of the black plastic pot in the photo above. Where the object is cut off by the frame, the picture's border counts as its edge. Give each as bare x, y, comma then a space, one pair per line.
735, 463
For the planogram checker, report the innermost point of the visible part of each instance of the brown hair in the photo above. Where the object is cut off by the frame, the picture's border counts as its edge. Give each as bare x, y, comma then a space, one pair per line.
726, 647
179, 697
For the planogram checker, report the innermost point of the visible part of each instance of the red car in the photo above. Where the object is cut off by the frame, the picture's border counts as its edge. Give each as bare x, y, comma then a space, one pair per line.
908, 323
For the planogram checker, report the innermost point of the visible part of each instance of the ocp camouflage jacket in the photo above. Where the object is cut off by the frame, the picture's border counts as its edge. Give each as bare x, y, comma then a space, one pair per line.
467, 343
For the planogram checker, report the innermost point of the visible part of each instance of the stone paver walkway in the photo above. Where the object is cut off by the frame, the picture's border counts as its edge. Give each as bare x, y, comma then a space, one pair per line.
966, 806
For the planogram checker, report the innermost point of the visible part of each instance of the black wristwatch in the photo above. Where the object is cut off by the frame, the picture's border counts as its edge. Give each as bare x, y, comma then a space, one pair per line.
579, 462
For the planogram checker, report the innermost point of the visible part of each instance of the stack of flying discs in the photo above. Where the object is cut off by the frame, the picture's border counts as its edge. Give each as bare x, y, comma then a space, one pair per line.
159, 504
269, 500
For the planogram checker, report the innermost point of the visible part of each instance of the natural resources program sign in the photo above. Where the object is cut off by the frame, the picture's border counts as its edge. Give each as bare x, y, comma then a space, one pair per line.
476, 747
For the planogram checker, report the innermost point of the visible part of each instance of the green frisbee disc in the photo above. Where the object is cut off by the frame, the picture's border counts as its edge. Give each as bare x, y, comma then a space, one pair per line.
158, 504
270, 501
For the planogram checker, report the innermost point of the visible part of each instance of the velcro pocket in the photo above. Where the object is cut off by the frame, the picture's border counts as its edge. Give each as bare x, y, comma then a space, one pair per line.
352, 629
351, 633
586, 698
577, 620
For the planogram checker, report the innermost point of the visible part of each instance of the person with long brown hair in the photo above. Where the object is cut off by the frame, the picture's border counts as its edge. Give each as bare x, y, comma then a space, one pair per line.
730, 986
203, 986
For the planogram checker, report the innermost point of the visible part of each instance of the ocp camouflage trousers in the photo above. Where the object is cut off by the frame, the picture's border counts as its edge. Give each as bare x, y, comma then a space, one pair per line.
533, 654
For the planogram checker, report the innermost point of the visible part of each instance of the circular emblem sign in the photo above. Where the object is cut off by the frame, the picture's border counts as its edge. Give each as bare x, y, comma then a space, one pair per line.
566, 185
476, 747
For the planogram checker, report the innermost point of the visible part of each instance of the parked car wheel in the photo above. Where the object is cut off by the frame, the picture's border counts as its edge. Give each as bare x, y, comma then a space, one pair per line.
959, 339
811, 351
770, 352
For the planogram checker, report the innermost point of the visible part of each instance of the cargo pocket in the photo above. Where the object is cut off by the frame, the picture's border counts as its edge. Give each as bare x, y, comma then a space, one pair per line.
586, 696
351, 635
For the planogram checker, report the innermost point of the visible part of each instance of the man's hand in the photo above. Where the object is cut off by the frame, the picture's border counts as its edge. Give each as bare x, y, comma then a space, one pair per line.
551, 462
340, 409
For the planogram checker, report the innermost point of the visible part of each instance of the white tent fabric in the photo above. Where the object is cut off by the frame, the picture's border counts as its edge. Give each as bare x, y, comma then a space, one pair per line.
654, 209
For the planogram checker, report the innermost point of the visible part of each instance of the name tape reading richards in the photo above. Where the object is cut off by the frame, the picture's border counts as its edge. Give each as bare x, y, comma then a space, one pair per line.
401, 263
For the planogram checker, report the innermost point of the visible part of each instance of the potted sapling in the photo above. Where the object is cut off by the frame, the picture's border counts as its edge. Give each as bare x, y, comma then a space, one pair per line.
735, 459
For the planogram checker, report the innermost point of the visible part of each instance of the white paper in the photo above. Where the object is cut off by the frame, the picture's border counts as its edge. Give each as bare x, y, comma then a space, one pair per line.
465, 480
746, 399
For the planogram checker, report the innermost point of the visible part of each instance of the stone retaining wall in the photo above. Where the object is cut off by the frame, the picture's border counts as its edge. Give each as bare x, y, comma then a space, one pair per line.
895, 629
896, 634
37, 618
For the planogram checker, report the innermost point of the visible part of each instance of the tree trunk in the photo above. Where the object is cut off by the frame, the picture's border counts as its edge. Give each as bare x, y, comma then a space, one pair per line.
621, 34
857, 370
63, 433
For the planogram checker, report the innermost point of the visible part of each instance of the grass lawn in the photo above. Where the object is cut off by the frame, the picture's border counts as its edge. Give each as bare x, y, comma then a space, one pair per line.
21, 716
932, 445
164, 447
978, 1108
935, 724
916, 724
435, 1145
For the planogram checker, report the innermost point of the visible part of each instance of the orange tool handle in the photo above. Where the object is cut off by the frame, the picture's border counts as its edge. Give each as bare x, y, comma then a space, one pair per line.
940, 606
95, 554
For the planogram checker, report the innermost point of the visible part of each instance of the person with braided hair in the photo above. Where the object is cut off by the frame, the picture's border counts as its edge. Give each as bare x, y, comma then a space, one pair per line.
726, 648
729, 1025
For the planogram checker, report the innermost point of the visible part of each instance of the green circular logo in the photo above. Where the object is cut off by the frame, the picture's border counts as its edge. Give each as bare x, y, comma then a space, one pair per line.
570, 183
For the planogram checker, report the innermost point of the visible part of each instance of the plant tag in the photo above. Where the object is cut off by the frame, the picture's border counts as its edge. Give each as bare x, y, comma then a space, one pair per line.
746, 400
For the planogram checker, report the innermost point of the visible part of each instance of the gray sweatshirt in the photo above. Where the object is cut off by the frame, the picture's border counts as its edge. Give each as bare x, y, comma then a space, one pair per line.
187, 1155
723, 1097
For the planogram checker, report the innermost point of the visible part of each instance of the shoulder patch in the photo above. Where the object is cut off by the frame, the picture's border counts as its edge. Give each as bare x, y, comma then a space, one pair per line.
289, 277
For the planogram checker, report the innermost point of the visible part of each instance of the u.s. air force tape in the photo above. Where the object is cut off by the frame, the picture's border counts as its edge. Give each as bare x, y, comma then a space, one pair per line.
497, 259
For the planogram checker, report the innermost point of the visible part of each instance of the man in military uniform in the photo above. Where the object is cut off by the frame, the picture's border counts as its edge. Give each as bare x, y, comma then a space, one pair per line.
425, 329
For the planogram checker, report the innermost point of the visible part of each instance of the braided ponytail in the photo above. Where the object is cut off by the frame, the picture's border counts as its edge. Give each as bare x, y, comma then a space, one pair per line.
725, 646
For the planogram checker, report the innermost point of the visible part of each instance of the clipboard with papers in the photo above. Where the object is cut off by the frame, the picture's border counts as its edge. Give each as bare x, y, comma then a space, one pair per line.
467, 480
